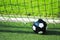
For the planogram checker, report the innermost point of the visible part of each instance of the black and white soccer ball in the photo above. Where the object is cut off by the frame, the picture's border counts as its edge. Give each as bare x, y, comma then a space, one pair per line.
40, 26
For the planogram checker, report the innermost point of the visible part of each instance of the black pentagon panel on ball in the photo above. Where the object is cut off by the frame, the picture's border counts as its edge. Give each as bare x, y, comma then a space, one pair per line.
39, 26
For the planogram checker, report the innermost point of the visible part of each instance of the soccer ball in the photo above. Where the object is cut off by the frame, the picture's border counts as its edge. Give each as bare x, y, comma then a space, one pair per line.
39, 26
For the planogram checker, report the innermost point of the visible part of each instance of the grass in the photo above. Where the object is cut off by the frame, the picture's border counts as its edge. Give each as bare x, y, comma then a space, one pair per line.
29, 7
21, 31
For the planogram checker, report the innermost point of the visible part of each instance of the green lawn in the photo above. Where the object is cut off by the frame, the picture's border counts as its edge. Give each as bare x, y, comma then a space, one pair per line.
21, 31
29, 7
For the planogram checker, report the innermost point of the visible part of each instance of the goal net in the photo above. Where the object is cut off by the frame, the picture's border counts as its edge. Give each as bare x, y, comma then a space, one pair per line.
30, 10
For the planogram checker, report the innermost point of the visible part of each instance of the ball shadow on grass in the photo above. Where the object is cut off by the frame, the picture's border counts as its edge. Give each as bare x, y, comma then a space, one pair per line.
31, 32
54, 28
19, 31
51, 32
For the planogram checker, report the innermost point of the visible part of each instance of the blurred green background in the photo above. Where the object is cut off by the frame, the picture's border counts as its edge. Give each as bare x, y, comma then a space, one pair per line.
43, 8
